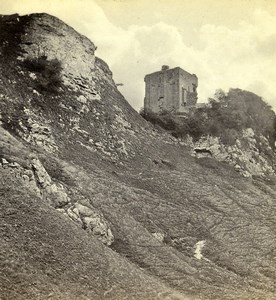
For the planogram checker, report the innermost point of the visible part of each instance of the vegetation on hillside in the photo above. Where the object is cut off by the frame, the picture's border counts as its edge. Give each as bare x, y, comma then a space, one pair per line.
225, 116
47, 71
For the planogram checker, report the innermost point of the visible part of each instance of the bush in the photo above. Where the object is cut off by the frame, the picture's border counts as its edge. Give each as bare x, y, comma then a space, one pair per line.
48, 72
178, 126
224, 117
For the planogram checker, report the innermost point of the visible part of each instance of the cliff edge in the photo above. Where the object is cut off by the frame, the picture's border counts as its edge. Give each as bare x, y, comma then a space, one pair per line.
97, 204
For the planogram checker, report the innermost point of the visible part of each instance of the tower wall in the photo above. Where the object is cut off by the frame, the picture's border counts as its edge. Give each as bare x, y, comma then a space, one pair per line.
170, 90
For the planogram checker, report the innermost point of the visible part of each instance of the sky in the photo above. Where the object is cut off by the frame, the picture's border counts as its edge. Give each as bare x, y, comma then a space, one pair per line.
226, 43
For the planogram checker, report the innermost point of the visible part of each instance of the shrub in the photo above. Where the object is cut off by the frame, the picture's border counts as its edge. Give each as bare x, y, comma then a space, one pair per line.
178, 126
224, 117
14, 118
48, 72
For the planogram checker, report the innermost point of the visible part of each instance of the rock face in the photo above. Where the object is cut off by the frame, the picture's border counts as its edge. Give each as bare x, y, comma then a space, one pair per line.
37, 180
91, 221
244, 155
81, 106
47, 35
96, 204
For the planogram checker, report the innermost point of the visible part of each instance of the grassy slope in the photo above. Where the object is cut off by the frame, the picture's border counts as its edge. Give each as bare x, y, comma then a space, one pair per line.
46, 256
159, 188
187, 199
189, 203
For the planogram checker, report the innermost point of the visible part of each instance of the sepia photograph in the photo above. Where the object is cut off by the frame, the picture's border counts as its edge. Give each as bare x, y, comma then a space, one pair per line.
137, 150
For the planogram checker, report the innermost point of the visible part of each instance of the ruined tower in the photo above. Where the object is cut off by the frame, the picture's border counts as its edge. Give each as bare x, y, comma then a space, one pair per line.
173, 90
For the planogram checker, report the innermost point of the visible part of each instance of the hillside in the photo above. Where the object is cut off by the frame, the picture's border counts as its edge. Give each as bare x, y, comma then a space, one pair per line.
237, 127
97, 204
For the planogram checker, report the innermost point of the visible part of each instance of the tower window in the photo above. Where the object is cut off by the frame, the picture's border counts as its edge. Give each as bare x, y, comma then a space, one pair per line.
184, 97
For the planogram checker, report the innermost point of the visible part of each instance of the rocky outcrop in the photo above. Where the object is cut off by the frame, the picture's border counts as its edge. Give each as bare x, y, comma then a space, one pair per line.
78, 162
244, 155
52, 192
86, 108
47, 35
37, 133
82, 213
90, 220
37, 180
25, 175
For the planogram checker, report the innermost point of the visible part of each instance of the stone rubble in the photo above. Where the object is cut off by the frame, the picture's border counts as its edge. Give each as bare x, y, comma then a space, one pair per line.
40, 183
247, 161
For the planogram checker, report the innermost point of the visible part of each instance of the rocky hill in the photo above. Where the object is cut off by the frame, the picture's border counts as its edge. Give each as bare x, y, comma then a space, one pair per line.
96, 204
237, 127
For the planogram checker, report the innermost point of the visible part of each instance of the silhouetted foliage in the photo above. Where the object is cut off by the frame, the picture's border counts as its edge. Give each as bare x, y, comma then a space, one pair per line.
225, 116
48, 72
11, 118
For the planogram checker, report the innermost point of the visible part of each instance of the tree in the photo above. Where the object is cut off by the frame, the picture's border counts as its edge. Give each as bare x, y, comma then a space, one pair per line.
48, 72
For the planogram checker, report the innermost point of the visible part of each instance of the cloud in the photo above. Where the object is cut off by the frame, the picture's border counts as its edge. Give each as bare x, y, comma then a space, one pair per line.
225, 58
149, 48
235, 56
221, 55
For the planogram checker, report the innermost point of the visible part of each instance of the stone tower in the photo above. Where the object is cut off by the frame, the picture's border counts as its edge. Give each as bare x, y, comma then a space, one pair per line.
173, 90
